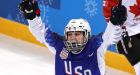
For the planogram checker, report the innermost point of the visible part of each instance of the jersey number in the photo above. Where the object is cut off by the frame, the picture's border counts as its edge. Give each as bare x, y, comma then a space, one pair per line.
77, 69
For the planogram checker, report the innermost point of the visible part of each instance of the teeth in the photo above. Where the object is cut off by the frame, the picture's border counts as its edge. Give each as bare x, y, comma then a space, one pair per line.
28, 11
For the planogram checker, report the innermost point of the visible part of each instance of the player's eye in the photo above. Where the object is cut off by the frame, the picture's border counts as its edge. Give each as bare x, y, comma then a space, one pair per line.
77, 34
69, 34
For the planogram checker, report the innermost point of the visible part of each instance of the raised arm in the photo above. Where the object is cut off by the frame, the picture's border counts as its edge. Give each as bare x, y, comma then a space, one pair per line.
117, 15
31, 12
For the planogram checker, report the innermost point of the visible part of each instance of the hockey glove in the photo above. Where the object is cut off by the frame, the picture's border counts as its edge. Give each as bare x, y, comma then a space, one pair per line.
118, 14
29, 8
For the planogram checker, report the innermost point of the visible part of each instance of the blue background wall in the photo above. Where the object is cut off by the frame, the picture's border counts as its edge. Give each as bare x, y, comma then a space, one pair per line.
57, 13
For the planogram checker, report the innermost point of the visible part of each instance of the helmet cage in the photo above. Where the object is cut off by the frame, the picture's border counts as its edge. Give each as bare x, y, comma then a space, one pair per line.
77, 25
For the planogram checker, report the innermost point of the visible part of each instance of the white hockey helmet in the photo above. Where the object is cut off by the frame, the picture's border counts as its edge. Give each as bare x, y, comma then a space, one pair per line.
77, 25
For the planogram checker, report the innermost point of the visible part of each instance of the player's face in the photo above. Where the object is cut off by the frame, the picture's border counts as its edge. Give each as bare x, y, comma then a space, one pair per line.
77, 36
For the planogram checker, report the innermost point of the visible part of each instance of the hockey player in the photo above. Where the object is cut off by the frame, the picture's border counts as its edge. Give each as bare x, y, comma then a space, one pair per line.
77, 52
126, 14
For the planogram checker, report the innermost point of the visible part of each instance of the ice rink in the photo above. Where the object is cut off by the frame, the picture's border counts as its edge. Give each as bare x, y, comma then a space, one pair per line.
18, 57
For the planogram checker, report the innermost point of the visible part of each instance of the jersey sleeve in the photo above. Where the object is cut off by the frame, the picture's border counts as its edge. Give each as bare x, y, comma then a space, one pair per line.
107, 5
98, 40
101, 58
44, 35
112, 34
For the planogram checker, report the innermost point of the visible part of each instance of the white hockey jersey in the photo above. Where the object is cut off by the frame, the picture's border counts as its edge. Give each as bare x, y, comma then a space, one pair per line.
133, 14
